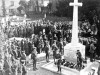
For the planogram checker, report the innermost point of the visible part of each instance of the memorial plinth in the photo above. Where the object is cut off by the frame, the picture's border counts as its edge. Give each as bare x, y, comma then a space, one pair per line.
65, 70
70, 51
71, 48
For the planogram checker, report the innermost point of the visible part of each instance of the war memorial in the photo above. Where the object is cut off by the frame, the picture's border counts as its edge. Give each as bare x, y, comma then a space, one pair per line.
71, 48
35, 41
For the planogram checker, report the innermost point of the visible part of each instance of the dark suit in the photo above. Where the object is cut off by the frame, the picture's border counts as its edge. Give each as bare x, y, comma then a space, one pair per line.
92, 49
47, 53
79, 60
22, 46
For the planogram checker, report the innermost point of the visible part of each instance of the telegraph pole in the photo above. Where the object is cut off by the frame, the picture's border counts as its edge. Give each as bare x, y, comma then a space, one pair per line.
3, 8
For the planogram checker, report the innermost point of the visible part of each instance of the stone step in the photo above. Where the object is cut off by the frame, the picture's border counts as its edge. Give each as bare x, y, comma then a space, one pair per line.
40, 58
65, 71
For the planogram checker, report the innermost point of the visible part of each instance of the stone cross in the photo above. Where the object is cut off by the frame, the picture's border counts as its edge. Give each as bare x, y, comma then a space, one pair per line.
75, 22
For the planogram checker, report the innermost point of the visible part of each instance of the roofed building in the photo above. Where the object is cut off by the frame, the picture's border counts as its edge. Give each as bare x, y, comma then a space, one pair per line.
10, 6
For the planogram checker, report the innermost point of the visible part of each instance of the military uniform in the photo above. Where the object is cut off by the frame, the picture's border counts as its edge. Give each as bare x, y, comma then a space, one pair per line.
61, 47
54, 48
59, 64
92, 49
79, 59
24, 71
47, 52
50, 38
34, 58
23, 57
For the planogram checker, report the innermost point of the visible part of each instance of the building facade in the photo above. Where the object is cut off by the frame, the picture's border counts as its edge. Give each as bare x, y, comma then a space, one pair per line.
34, 6
37, 5
10, 6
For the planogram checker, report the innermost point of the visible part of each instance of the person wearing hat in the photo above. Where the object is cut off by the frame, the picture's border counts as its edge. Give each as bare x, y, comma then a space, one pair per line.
61, 46
50, 38
22, 45
79, 59
47, 49
24, 71
54, 48
15, 53
19, 52
23, 57
44, 37
92, 50
34, 57
30, 46
59, 63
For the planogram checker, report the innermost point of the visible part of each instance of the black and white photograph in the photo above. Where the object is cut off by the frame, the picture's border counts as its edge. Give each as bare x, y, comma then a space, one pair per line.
49, 37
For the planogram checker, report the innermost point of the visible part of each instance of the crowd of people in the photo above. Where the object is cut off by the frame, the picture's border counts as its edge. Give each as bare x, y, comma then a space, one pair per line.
46, 36
48, 30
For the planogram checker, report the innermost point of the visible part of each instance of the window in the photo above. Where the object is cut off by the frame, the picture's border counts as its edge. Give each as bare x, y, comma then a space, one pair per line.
12, 3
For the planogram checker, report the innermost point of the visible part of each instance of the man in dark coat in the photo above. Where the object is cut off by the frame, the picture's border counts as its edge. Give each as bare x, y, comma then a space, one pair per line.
47, 51
34, 58
50, 38
79, 59
61, 46
22, 45
59, 34
30, 47
23, 57
24, 70
92, 50
59, 64
26, 47
15, 54
54, 48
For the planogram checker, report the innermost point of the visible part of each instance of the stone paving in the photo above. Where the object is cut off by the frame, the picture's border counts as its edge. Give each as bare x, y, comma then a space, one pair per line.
65, 71
40, 70
45, 68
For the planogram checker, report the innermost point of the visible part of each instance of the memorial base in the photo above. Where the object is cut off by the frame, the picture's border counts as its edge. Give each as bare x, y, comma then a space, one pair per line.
70, 51
65, 70
69, 71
